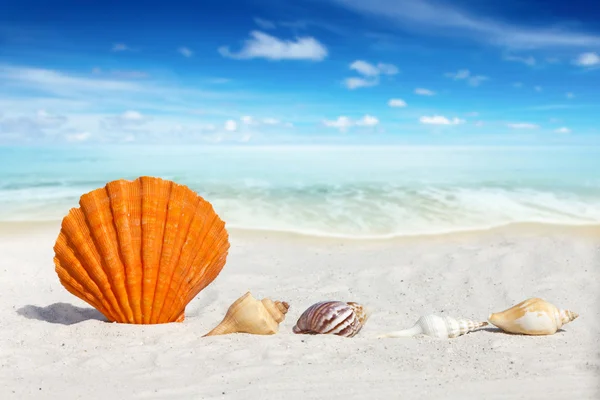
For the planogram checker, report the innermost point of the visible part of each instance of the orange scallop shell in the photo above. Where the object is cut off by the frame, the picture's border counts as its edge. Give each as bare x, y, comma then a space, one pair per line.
139, 251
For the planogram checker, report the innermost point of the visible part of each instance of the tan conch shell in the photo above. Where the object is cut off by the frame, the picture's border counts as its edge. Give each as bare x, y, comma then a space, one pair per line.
249, 315
139, 251
438, 327
332, 317
532, 317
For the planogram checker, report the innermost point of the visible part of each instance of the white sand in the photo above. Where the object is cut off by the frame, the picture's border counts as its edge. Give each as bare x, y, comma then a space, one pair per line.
52, 345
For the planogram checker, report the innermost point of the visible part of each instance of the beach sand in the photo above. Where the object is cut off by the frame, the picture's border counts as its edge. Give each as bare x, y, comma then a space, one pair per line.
53, 345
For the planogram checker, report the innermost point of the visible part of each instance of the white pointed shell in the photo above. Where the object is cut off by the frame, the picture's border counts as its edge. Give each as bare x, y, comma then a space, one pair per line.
438, 327
533, 316
332, 317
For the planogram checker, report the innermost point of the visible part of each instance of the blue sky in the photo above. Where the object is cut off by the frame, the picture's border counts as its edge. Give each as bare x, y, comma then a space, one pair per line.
301, 71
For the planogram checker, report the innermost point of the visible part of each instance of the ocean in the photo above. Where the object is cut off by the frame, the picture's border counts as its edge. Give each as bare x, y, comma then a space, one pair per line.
357, 192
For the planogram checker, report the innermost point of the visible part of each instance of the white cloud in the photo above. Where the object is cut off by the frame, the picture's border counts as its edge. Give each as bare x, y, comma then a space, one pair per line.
424, 92
465, 74
440, 120
523, 125
264, 24
230, 125
367, 120
356, 83
396, 103
186, 52
563, 129
342, 123
479, 123
588, 59
262, 45
29, 127
472, 114
538, 88
570, 95
367, 69
120, 47
525, 60
371, 73
364, 68
433, 18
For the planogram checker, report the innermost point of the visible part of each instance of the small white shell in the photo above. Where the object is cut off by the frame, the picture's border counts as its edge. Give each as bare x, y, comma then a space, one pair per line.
438, 327
332, 317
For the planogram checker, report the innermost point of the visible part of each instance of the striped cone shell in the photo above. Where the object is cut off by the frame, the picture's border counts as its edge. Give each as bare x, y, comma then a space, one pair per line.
332, 317
139, 251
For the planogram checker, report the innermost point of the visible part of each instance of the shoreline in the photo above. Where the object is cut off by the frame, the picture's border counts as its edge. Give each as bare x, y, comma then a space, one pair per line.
520, 228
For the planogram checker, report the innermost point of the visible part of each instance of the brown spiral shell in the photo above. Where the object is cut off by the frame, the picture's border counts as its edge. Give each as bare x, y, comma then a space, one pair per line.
332, 317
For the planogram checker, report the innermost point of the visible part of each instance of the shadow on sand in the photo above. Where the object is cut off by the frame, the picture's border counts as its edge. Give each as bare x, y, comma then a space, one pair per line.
61, 313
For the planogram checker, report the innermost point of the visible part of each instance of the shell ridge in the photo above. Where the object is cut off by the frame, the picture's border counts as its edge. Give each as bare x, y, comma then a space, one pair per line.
122, 195
184, 259
119, 250
168, 260
199, 248
215, 266
112, 271
163, 225
78, 289
64, 252
211, 264
92, 256
177, 259
152, 237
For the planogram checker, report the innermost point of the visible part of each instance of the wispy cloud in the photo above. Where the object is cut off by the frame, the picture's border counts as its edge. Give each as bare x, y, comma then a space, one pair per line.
538, 88
523, 125
264, 24
396, 103
262, 45
430, 17
356, 83
120, 47
440, 120
343, 123
370, 72
121, 74
424, 92
530, 60
587, 59
368, 69
563, 129
465, 74
186, 52
570, 95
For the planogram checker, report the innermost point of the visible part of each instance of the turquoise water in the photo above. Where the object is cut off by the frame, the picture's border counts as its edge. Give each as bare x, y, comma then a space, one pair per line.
348, 191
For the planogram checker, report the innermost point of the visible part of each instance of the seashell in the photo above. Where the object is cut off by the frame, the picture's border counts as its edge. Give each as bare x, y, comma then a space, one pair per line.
249, 315
139, 251
438, 327
332, 317
532, 317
